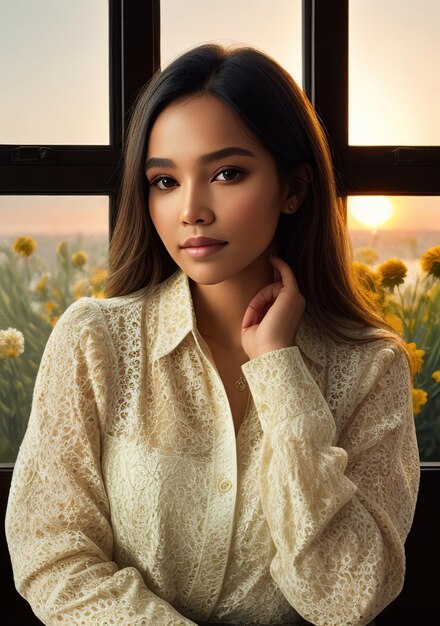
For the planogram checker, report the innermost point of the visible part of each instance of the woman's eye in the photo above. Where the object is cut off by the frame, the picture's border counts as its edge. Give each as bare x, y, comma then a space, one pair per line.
230, 173
163, 182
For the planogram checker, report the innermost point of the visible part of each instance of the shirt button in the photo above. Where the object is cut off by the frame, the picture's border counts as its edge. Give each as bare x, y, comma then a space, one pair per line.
224, 485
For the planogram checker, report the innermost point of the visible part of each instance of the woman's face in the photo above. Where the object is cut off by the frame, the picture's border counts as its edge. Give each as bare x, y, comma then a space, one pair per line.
214, 194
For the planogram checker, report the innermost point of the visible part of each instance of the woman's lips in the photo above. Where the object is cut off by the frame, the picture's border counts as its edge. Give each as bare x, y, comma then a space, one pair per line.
199, 247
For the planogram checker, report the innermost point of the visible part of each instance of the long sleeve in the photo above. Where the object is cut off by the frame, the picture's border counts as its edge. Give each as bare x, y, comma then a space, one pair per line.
58, 518
338, 493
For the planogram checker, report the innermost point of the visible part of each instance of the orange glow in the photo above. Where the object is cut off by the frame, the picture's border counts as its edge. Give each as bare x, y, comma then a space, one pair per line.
409, 213
370, 211
53, 215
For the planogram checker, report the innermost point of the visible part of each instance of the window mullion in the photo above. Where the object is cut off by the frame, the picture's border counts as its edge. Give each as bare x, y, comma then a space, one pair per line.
48, 179
330, 72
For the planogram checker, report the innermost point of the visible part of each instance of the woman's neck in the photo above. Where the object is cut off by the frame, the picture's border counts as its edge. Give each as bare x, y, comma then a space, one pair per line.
220, 308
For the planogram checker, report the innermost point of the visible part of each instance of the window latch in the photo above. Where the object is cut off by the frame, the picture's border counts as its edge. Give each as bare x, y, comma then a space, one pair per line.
33, 154
414, 156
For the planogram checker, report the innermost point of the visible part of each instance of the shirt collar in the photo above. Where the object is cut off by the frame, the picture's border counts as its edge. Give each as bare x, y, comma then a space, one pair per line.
175, 314
176, 318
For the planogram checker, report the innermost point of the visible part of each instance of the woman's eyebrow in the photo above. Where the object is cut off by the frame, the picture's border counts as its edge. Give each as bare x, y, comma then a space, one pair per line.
159, 162
202, 160
222, 153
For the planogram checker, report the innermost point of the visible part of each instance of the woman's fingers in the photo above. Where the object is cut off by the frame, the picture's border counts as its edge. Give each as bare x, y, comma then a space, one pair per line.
273, 315
284, 271
260, 304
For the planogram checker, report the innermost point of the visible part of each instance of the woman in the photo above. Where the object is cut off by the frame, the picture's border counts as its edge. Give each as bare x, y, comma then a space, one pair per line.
228, 438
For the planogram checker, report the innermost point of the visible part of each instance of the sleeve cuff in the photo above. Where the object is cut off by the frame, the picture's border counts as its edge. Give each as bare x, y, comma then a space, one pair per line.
282, 386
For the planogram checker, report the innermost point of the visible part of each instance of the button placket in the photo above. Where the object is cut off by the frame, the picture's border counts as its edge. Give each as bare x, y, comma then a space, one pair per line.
220, 512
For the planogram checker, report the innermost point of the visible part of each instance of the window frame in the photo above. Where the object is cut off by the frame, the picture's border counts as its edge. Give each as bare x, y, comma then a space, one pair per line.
94, 169
385, 170
135, 55
360, 170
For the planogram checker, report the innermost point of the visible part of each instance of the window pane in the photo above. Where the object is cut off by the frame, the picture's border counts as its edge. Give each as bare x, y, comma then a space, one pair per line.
274, 27
53, 250
394, 78
406, 228
54, 72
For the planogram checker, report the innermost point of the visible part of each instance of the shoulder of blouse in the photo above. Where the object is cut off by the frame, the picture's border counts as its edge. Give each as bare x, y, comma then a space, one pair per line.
320, 347
154, 319
88, 312
87, 324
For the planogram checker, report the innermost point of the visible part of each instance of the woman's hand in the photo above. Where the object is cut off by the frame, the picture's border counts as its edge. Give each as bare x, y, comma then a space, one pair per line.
273, 315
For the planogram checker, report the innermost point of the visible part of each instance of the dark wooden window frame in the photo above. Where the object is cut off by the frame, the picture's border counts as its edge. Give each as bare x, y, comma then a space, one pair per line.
135, 54
399, 169
93, 169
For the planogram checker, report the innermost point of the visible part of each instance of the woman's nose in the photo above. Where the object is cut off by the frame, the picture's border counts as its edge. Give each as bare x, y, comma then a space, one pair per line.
196, 209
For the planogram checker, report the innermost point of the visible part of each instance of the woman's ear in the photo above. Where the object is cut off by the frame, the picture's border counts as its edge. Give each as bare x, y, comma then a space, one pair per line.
297, 187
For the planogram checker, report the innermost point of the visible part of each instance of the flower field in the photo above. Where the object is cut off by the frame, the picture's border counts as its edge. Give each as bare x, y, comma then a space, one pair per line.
34, 292
412, 309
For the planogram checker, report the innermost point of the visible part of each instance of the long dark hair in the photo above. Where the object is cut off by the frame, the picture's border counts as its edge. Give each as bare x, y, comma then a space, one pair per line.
314, 240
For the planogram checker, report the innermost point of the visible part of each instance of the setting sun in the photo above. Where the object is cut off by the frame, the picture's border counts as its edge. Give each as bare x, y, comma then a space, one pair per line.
370, 211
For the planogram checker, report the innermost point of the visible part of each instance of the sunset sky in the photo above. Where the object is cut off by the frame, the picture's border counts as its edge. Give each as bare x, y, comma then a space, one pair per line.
54, 77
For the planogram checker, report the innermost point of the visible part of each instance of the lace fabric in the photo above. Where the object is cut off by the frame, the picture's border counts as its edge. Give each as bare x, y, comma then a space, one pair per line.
133, 503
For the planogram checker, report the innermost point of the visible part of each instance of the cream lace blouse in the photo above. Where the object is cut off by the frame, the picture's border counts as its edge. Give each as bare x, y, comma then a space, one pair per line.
133, 503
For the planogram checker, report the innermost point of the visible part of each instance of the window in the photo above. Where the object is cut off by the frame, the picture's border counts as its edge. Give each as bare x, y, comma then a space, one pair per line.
235, 23
53, 250
80, 175
391, 71
391, 239
70, 73
56, 90
377, 164
374, 169
372, 165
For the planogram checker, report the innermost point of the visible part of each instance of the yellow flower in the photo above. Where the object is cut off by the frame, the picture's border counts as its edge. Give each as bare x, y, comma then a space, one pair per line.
366, 276
395, 322
11, 343
63, 249
419, 398
436, 376
50, 307
415, 357
57, 294
41, 285
98, 294
81, 288
24, 246
392, 273
98, 279
430, 261
79, 259
366, 255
